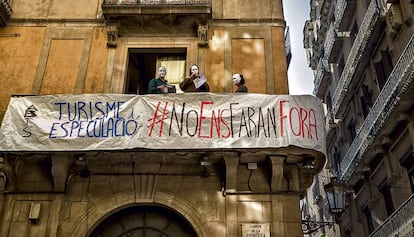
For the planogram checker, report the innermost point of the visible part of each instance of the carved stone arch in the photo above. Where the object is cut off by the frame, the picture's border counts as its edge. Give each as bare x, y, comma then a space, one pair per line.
100, 210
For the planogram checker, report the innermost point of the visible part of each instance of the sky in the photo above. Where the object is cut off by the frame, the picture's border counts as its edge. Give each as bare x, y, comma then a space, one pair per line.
300, 76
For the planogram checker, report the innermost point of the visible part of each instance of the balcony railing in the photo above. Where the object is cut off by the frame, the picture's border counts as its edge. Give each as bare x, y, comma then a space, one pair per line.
360, 43
333, 43
397, 84
343, 14
5, 12
340, 11
330, 40
157, 2
151, 7
322, 75
181, 13
400, 223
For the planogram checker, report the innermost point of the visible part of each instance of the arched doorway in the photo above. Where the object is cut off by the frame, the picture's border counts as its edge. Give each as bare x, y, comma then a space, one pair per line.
144, 221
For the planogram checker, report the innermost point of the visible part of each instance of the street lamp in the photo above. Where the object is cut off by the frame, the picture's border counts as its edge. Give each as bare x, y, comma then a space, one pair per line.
335, 194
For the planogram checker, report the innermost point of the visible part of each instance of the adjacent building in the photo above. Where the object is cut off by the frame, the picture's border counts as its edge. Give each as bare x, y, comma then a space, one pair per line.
361, 53
69, 66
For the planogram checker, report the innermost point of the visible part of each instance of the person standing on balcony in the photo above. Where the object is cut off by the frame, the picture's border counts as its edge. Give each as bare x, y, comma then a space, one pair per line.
197, 82
239, 81
160, 85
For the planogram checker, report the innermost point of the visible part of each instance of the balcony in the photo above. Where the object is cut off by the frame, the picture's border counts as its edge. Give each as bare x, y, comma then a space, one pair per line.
5, 12
390, 100
157, 12
288, 48
333, 43
400, 223
344, 12
324, 18
322, 78
361, 50
325, 10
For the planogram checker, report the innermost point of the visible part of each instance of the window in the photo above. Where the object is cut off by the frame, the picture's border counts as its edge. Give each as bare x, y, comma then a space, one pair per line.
368, 219
408, 163
336, 164
329, 106
352, 130
143, 65
383, 69
384, 189
366, 101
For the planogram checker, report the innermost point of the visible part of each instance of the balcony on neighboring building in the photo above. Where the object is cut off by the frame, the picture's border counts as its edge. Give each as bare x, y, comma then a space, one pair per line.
5, 12
322, 78
313, 55
400, 223
358, 57
394, 99
141, 13
288, 47
333, 43
325, 11
324, 20
344, 14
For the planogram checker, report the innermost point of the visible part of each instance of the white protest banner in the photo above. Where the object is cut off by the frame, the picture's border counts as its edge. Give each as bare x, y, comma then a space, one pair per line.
170, 121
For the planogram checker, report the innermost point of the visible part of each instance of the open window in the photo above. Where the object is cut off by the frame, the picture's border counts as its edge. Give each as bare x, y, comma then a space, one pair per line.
143, 65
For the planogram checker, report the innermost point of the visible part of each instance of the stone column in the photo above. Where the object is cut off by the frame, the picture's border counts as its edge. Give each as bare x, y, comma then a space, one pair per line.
232, 162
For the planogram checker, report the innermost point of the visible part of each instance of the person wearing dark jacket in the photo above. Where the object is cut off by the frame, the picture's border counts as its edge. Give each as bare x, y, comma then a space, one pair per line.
197, 82
160, 85
239, 81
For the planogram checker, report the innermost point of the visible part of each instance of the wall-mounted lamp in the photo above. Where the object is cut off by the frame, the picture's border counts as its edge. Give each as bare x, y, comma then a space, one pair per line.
335, 193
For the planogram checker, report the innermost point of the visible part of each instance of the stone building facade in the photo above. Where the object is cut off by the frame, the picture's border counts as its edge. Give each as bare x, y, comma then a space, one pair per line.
114, 47
361, 53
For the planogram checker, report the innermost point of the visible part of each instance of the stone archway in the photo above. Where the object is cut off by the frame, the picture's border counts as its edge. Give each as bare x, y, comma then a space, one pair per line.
144, 220
100, 211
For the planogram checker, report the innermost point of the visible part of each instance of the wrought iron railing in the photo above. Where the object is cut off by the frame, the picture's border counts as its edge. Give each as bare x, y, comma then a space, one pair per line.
330, 40
360, 43
400, 223
157, 2
328, 45
339, 11
323, 68
397, 84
